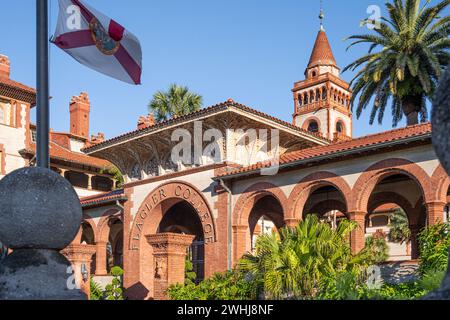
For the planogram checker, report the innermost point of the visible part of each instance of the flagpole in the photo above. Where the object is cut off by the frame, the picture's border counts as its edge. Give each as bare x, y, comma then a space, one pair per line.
42, 83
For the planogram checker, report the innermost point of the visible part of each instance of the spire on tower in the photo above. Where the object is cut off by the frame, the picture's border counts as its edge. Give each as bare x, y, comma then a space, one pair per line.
321, 16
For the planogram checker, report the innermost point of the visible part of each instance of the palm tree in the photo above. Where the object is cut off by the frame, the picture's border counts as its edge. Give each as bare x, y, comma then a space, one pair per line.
296, 263
400, 232
177, 101
412, 54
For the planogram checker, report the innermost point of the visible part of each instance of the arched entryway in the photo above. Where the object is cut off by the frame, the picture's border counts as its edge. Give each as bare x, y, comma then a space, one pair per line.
172, 208
182, 218
88, 237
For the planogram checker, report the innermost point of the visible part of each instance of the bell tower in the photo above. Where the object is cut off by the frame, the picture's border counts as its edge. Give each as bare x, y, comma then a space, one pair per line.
322, 100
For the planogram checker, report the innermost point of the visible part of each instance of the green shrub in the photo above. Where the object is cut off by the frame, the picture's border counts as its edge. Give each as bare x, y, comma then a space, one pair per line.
114, 291
190, 276
96, 291
434, 243
231, 285
378, 250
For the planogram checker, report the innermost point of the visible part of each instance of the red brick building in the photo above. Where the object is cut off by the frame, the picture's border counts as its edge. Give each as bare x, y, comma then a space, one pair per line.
211, 204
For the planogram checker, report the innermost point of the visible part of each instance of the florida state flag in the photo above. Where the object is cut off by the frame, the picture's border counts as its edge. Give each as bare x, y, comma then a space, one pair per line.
98, 42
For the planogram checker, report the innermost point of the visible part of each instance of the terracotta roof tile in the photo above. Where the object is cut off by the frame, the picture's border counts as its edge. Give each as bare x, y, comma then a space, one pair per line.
209, 110
311, 153
99, 198
17, 90
322, 53
60, 153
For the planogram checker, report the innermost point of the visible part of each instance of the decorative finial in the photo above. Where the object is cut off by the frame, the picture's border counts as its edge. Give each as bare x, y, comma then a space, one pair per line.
321, 16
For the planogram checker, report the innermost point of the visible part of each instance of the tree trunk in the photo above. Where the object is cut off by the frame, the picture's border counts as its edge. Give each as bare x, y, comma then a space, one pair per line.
411, 106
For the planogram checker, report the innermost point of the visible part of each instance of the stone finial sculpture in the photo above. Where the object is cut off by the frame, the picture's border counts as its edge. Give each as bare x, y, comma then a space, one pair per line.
40, 214
441, 142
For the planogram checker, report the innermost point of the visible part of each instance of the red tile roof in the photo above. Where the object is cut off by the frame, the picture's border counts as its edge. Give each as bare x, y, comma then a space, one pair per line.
103, 197
322, 53
354, 144
58, 152
206, 111
16, 90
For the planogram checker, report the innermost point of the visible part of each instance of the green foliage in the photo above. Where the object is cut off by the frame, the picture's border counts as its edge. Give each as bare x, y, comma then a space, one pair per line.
303, 260
378, 249
434, 245
400, 232
432, 280
96, 291
231, 285
407, 55
116, 174
177, 101
190, 276
114, 291
404, 291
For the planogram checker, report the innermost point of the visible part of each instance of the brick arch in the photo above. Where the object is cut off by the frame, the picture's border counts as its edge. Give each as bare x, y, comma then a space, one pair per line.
311, 119
389, 197
369, 179
103, 225
91, 223
326, 206
440, 182
311, 183
249, 197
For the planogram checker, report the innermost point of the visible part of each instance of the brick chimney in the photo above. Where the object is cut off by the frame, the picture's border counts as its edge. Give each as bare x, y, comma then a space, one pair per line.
79, 115
99, 138
146, 121
4, 67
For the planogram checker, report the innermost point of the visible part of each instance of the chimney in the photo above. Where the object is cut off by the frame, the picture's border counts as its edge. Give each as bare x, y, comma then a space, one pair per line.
79, 115
99, 138
4, 67
146, 121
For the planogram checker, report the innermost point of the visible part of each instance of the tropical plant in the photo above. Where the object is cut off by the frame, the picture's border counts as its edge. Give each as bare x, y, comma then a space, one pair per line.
190, 276
412, 54
378, 249
301, 260
400, 232
434, 243
96, 291
177, 101
114, 291
116, 174
232, 285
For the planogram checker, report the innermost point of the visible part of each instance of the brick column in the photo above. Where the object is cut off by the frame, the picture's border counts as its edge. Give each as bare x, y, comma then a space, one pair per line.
100, 259
435, 212
169, 252
291, 222
79, 255
358, 236
239, 242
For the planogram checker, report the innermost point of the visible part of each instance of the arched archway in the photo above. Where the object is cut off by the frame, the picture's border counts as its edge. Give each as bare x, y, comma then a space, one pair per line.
164, 209
325, 183
260, 200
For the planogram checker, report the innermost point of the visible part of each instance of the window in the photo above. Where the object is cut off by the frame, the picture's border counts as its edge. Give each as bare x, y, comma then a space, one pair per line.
340, 127
324, 94
77, 179
313, 126
33, 136
300, 100
2, 114
102, 183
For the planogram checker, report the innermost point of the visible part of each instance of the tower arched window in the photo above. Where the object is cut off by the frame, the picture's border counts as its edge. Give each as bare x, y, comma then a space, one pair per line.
311, 97
305, 99
300, 100
317, 95
324, 93
313, 126
339, 127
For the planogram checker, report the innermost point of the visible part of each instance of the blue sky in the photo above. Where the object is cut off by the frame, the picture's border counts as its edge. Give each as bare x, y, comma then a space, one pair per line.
249, 50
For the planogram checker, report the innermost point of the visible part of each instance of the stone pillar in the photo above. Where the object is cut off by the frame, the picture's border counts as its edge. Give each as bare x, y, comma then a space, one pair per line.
51, 210
291, 222
169, 252
358, 236
90, 176
239, 242
79, 255
100, 259
435, 212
